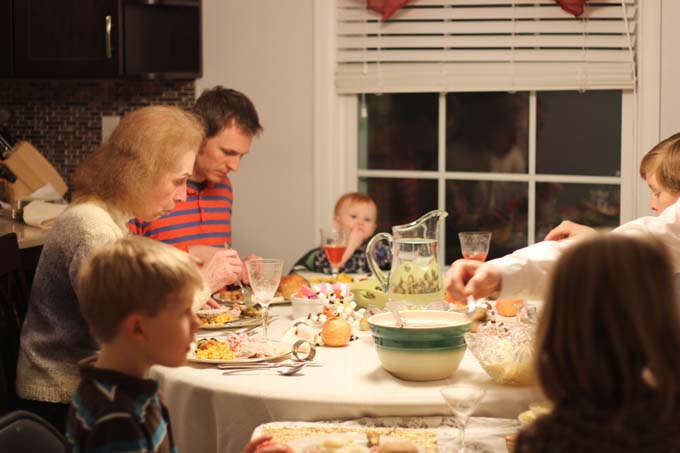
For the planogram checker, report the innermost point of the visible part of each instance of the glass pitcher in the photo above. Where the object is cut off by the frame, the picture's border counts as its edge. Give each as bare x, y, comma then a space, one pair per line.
415, 275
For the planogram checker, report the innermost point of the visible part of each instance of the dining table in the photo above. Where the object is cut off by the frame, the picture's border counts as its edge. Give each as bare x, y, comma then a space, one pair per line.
216, 412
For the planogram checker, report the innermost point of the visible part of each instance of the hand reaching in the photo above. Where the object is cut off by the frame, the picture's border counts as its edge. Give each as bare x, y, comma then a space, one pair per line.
568, 230
223, 268
471, 277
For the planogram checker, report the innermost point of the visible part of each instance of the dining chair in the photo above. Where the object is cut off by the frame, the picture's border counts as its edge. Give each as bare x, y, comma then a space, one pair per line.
13, 304
26, 432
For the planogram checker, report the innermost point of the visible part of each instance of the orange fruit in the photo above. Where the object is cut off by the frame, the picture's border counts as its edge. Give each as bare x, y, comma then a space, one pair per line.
508, 307
336, 332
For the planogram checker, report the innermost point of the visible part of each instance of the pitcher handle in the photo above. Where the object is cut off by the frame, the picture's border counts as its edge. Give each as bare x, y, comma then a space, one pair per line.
379, 274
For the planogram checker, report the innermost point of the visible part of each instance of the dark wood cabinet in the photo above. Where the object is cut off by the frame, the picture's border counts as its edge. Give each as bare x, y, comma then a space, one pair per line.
6, 39
100, 38
67, 38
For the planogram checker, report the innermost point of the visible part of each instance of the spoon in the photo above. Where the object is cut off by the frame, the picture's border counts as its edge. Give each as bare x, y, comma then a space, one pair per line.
400, 322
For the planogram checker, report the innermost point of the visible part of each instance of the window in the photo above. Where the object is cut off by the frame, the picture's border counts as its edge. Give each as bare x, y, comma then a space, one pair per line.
464, 105
512, 163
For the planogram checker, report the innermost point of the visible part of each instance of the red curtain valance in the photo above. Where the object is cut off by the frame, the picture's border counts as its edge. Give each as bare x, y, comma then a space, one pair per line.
389, 7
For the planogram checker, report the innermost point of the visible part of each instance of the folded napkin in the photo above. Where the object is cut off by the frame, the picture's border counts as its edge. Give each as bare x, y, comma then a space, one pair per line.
41, 213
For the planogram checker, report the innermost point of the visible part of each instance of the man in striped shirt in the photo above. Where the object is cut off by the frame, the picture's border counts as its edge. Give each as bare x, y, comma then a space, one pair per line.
201, 225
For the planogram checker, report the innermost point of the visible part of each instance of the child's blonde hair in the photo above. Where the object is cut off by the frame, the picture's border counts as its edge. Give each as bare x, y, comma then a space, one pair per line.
132, 275
611, 312
664, 161
352, 197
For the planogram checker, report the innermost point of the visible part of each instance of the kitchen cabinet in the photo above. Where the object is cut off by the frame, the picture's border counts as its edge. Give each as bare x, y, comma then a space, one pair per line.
101, 38
67, 38
6, 41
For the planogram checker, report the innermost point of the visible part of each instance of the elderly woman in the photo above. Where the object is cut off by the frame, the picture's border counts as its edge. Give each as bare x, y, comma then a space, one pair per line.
141, 171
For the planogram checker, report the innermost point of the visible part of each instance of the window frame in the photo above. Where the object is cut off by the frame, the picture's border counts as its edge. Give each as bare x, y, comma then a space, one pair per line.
336, 122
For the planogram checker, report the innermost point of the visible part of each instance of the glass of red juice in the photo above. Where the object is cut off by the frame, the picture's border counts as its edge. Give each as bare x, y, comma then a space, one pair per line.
334, 243
474, 245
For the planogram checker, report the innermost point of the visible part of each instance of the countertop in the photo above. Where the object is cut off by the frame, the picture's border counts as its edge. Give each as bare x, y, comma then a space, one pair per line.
27, 236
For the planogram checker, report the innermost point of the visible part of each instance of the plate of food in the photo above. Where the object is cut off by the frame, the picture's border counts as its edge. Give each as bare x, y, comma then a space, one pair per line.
317, 277
351, 442
227, 318
235, 296
237, 348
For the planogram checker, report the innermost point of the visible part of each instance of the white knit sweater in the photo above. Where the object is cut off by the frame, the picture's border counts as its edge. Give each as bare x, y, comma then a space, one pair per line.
54, 336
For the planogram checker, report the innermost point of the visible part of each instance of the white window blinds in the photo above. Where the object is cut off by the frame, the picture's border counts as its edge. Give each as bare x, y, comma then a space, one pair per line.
485, 45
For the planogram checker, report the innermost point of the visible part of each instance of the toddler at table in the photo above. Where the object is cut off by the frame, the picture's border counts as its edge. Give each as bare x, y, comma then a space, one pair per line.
357, 214
136, 295
606, 351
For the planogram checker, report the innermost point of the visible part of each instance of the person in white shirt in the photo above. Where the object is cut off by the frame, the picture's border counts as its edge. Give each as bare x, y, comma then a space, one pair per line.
524, 273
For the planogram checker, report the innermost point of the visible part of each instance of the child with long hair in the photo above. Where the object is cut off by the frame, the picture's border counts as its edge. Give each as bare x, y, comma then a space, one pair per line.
606, 351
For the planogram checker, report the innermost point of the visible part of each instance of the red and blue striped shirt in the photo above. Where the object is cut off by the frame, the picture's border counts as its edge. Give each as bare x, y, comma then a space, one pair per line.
204, 218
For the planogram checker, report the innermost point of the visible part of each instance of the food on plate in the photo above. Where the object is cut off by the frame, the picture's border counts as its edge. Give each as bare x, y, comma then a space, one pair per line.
342, 278
337, 445
398, 446
223, 316
508, 307
217, 320
336, 332
290, 284
237, 346
230, 295
213, 349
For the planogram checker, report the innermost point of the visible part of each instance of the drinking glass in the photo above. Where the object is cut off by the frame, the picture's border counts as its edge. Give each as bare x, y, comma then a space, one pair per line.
462, 400
264, 275
474, 245
334, 243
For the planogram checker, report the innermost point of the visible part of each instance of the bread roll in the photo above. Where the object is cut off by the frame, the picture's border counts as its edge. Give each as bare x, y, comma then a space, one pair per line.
290, 284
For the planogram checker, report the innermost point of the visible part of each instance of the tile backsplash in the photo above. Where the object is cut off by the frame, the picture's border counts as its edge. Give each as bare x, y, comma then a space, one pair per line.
63, 118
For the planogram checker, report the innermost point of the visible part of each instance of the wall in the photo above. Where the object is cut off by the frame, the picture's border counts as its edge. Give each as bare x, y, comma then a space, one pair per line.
62, 118
670, 69
264, 49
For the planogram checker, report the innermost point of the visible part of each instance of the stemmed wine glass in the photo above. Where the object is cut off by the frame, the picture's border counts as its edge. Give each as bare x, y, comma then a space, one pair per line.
462, 400
264, 275
474, 245
334, 243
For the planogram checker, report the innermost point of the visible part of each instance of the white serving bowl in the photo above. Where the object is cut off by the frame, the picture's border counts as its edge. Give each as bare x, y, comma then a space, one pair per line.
428, 348
302, 306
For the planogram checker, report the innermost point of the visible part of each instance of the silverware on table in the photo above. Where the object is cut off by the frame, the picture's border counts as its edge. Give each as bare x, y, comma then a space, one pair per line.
281, 368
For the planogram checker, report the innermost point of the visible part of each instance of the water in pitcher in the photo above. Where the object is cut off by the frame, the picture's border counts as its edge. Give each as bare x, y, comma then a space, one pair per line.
414, 267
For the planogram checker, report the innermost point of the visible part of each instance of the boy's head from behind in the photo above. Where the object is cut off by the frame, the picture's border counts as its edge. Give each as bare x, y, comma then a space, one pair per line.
356, 210
140, 291
611, 313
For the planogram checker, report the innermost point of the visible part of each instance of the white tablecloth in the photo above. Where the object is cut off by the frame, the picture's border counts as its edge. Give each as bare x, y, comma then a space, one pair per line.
212, 412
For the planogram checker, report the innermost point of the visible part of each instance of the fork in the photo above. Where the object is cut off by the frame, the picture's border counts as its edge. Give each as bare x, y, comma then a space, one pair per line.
244, 292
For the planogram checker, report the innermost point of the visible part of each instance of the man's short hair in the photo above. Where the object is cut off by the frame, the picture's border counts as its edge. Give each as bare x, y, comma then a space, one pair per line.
132, 275
221, 107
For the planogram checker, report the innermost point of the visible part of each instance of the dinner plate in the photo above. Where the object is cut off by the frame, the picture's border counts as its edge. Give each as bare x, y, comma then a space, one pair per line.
280, 350
241, 322
355, 442
309, 275
216, 297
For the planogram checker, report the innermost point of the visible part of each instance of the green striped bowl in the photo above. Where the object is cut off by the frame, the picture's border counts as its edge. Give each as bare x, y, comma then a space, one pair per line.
428, 348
